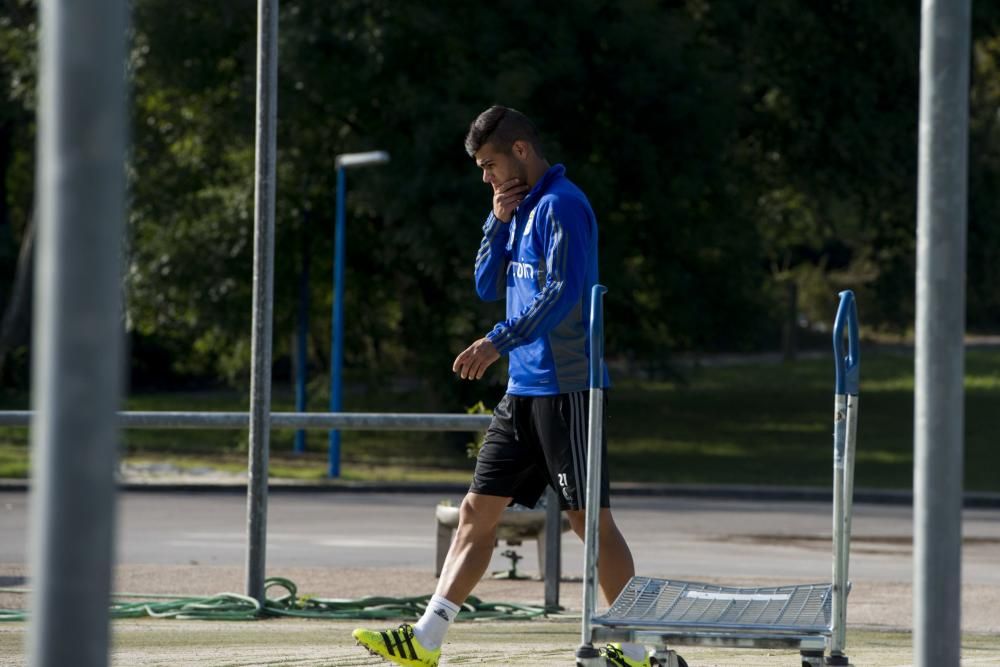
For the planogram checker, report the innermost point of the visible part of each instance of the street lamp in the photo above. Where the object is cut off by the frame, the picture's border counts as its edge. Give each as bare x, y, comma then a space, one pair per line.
342, 163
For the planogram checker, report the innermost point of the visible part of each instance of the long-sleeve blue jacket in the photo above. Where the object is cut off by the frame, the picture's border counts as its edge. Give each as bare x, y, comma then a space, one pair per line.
544, 262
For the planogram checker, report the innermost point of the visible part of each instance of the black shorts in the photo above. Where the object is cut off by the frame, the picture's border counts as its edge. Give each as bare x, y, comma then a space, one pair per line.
534, 441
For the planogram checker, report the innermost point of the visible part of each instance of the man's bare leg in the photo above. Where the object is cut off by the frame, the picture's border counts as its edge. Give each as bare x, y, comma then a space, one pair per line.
614, 565
472, 548
467, 560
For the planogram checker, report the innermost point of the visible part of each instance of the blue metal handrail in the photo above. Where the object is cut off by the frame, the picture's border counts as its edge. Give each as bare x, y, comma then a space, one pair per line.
597, 336
849, 366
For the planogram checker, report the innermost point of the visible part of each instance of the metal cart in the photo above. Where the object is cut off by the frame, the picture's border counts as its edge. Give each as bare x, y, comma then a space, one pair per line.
663, 612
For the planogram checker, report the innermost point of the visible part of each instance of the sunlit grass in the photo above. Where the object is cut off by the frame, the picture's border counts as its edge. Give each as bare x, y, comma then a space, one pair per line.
749, 423
982, 382
901, 383
774, 423
884, 457
13, 461
309, 467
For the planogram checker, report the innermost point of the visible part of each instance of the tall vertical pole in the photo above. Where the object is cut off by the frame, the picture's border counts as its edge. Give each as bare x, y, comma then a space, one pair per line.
939, 400
343, 161
552, 567
263, 293
587, 653
845, 421
76, 376
337, 332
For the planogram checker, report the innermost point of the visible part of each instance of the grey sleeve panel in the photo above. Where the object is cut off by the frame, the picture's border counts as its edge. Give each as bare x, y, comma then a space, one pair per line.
568, 342
501, 286
491, 260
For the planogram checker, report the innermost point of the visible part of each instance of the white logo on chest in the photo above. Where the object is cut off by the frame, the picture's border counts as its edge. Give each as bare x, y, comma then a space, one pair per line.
522, 270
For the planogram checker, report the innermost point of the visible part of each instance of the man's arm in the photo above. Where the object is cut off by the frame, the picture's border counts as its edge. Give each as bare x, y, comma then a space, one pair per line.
566, 229
491, 262
491, 273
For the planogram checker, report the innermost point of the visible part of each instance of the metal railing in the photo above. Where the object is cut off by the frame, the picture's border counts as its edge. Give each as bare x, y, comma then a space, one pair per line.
352, 421
345, 421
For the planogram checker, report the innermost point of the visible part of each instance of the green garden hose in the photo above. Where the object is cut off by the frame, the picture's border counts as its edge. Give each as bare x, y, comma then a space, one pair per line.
234, 607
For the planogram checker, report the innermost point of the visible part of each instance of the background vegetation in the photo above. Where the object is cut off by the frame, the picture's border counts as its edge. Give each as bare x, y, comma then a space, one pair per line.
740, 423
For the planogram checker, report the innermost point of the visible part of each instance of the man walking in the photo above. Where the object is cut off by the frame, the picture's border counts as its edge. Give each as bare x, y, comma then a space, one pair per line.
539, 252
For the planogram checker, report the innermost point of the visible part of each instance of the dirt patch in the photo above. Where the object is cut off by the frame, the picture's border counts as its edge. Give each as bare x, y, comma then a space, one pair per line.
529, 644
876, 613
873, 604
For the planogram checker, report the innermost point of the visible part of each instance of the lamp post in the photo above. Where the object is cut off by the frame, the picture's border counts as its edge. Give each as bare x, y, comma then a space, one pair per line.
343, 162
301, 337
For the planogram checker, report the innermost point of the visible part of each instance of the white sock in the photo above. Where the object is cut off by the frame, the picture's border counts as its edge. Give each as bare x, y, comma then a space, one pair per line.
634, 651
433, 625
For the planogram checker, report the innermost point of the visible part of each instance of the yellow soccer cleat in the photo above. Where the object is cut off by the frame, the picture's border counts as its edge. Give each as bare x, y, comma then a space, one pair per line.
398, 646
613, 654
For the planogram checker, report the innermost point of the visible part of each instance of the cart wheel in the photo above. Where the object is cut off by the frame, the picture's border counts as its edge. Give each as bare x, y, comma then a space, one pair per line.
681, 662
812, 658
587, 656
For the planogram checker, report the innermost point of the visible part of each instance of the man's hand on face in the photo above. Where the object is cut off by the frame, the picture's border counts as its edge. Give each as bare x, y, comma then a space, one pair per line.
506, 197
475, 359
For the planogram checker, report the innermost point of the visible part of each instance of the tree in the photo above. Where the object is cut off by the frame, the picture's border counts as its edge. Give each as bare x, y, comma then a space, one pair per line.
17, 102
726, 147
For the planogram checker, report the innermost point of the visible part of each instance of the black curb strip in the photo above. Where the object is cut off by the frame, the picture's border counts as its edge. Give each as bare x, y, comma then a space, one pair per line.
721, 492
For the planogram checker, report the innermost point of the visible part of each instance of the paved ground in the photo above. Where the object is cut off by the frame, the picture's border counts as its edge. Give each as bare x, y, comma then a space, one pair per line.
350, 545
678, 537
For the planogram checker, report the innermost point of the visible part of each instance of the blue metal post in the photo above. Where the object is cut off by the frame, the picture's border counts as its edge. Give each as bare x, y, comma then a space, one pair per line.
300, 342
337, 333
343, 161
847, 388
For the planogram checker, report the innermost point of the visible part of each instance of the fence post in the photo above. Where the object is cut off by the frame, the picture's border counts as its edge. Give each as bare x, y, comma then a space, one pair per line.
263, 294
940, 326
76, 364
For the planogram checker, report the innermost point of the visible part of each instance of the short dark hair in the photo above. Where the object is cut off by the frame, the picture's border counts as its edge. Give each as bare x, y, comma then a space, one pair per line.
501, 126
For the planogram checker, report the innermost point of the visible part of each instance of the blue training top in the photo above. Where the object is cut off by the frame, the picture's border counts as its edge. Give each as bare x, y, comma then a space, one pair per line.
546, 257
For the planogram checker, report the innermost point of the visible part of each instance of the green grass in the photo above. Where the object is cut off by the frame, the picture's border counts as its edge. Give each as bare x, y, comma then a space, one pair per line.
742, 424
365, 456
773, 424
308, 466
13, 459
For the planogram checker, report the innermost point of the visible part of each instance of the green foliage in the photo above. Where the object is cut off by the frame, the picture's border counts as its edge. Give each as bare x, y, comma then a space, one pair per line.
984, 182
727, 148
191, 227
473, 446
18, 63
356, 76
829, 149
